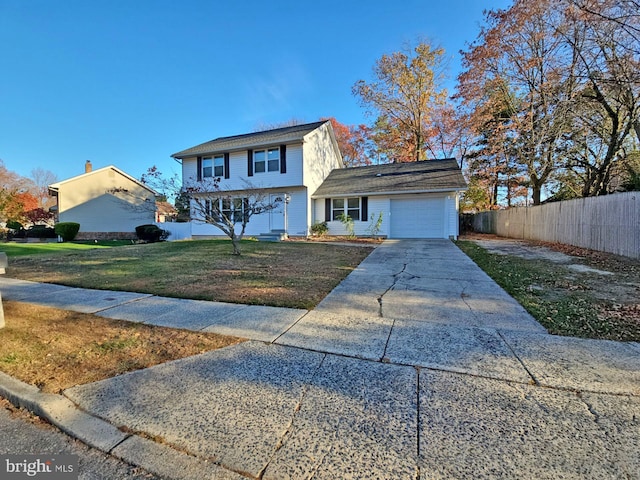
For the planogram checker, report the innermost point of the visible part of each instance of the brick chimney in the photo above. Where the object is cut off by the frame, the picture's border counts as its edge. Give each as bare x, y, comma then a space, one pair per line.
88, 167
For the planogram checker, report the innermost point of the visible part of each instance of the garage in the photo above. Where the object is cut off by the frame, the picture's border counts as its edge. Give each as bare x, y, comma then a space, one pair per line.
393, 200
417, 217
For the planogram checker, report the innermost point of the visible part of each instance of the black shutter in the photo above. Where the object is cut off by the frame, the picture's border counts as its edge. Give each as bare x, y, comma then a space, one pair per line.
250, 163
199, 169
364, 209
327, 209
283, 159
245, 209
226, 165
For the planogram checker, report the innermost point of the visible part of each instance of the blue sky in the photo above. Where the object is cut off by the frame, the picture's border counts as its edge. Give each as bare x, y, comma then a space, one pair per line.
129, 82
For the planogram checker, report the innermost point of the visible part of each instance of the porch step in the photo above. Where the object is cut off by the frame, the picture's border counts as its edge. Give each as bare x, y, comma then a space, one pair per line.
272, 236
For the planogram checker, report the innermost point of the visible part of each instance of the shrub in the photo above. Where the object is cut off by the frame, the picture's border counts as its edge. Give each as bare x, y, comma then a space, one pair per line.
41, 231
14, 225
15, 230
151, 233
67, 230
319, 228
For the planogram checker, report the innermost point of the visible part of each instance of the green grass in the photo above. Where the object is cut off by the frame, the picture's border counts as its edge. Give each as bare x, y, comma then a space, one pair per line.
560, 301
13, 249
287, 274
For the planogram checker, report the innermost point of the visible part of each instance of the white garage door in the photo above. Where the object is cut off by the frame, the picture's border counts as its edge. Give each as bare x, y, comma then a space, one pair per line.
417, 218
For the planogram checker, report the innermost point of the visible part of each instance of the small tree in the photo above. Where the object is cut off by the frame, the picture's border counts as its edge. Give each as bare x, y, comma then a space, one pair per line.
347, 221
228, 211
38, 215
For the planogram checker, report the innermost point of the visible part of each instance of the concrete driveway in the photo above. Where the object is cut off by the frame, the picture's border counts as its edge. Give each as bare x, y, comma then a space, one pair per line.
416, 366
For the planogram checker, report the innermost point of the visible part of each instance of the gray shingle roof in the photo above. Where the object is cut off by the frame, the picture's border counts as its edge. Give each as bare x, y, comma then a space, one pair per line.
249, 140
425, 176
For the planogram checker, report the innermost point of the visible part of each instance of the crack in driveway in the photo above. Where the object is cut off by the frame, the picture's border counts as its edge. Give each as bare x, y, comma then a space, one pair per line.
396, 277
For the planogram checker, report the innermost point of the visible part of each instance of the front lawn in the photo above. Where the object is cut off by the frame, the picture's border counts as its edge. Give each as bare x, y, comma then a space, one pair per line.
286, 274
16, 249
56, 349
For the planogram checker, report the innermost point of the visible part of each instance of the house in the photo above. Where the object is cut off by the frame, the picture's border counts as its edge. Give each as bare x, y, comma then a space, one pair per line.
412, 200
303, 163
107, 203
289, 162
165, 212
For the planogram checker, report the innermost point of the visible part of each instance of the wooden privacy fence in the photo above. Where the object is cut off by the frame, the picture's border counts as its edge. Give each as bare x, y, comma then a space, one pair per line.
610, 223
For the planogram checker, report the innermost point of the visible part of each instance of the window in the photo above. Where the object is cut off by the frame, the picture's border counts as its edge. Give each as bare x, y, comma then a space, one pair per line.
266, 160
218, 166
231, 208
348, 206
207, 167
213, 166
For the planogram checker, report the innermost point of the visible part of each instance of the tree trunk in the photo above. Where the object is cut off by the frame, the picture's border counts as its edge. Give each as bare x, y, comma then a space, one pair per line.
235, 241
536, 194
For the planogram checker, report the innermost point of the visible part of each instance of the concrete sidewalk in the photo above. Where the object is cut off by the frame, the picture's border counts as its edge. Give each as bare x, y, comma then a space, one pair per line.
416, 366
254, 322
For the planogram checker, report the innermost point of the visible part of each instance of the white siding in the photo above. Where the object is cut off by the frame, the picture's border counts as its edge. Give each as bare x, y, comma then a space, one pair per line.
363, 227
319, 158
308, 164
239, 174
417, 216
189, 170
451, 206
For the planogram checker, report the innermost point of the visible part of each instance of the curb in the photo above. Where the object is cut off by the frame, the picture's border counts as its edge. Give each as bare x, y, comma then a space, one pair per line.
153, 457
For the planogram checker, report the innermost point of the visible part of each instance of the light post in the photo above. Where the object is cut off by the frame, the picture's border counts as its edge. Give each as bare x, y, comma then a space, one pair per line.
287, 199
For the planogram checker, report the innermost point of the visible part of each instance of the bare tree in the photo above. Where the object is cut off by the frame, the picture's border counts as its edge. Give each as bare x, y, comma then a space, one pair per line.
41, 179
229, 211
292, 122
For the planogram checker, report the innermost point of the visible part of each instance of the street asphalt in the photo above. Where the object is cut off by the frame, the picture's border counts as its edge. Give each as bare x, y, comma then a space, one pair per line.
417, 366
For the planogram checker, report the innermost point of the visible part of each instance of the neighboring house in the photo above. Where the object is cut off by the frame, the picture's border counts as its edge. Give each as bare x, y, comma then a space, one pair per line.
165, 212
416, 200
303, 162
289, 162
107, 203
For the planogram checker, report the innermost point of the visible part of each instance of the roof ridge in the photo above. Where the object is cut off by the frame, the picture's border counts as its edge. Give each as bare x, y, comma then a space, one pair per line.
297, 130
422, 162
301, 126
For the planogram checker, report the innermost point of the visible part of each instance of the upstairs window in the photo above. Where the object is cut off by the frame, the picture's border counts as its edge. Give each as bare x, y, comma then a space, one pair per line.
267, 160
213, 166
218, 166
207, 167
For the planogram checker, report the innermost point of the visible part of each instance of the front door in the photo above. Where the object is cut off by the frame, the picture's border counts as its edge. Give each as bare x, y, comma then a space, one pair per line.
276, 216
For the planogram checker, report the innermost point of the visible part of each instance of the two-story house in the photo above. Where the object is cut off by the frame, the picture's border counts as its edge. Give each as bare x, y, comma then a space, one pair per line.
289, 162
303, 163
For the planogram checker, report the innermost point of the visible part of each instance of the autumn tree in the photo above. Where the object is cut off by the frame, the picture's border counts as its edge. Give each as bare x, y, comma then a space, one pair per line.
14, 196
391, 142
603, 37
353, 141
403, 95
569, 69
519, 50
